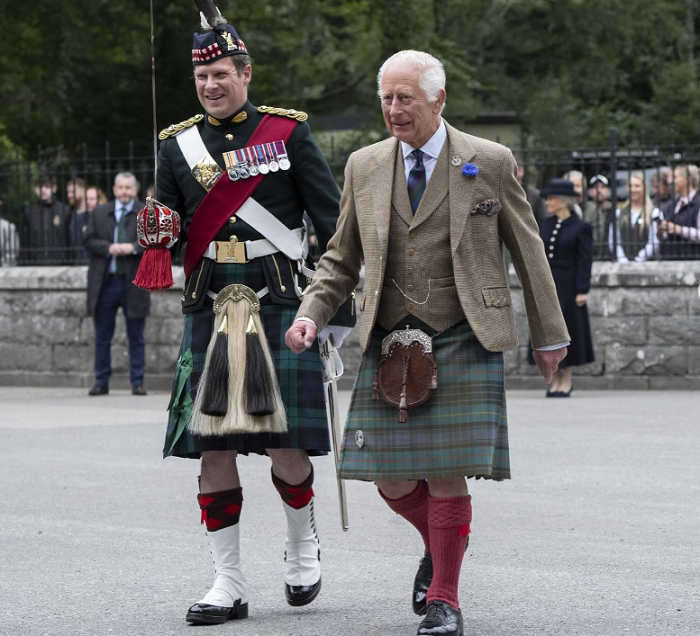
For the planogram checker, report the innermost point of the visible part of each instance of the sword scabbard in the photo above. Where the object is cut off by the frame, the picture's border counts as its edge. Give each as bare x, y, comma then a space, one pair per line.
333, 409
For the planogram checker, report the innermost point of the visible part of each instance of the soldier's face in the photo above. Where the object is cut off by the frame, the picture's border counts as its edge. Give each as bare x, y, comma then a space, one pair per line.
125, 190
408, 114
220, 89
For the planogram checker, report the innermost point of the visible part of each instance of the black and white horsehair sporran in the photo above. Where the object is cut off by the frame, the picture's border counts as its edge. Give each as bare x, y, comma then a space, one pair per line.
238, 391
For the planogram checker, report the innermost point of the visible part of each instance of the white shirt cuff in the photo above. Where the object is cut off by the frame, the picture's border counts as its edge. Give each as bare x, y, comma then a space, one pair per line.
561, 345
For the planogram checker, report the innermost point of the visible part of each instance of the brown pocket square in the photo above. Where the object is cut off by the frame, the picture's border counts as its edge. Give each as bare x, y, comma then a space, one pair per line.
488, 207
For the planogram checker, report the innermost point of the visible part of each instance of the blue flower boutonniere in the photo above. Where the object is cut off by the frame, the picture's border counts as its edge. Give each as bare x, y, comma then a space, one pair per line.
470, 170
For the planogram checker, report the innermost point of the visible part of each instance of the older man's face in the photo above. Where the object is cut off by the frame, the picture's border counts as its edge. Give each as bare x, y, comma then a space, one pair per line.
408, 114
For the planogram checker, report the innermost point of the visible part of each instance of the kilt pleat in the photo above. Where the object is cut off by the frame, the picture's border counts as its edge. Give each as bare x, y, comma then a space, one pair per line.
462, 430
300, 378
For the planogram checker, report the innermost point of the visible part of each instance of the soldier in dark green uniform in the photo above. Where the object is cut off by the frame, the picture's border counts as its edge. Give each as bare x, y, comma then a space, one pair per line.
297, 180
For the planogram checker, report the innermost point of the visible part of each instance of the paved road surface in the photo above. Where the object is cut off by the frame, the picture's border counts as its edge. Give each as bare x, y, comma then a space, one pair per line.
598, 533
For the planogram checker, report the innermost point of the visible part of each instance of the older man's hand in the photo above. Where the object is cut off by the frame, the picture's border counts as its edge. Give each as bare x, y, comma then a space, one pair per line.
548, 362
300, 335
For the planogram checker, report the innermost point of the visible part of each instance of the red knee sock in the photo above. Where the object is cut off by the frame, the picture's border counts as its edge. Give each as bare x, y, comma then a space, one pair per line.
449, 519
295, 496
221, 509
414, 508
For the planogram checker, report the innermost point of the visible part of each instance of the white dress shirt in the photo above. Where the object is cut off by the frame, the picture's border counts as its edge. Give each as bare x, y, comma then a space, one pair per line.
431, 152
119, 209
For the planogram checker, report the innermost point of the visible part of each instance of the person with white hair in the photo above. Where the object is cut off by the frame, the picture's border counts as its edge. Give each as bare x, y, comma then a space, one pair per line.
429, 210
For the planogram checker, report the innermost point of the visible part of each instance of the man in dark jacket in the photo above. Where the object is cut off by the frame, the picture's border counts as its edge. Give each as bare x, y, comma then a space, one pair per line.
114, 258
44, 227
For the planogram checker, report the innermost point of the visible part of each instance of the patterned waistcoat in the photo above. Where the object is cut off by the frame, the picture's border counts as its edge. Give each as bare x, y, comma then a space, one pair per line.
419, 259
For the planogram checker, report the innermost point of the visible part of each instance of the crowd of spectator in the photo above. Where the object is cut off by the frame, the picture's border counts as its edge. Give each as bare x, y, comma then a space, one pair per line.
49, 231
654, 217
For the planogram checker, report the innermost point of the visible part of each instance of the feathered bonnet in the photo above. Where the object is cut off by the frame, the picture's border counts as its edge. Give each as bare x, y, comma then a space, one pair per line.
219, 39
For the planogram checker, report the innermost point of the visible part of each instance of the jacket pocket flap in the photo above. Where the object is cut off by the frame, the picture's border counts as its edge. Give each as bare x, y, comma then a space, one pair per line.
496, 296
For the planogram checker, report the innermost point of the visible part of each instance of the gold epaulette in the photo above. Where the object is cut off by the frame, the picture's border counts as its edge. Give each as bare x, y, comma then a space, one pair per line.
173, 129
299, 115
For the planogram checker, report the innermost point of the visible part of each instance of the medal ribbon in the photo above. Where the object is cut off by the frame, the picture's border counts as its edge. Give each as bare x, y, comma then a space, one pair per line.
226, 196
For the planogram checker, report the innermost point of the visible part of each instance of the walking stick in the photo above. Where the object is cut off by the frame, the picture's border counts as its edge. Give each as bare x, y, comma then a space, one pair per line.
331, 373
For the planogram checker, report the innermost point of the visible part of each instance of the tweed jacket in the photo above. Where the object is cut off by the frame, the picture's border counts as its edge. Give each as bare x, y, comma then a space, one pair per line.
476, 243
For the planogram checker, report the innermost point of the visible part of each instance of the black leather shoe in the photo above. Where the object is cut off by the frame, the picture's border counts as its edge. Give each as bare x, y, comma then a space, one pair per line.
424, 577
441, 619
300, 595
138, 389
214, 615
99, 389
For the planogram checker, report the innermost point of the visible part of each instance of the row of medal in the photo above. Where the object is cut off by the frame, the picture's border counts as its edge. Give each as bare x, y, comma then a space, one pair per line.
253, 160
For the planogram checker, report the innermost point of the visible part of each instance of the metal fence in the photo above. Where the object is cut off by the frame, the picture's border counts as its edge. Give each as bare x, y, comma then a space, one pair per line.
42, 234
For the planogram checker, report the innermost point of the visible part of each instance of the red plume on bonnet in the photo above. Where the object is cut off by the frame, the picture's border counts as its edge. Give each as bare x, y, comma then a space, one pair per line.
156, 227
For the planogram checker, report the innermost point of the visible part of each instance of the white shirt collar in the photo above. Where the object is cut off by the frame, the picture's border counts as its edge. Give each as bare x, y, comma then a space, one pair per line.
432, 147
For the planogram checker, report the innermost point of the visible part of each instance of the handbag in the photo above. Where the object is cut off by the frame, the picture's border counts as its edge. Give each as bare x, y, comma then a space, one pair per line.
406, 375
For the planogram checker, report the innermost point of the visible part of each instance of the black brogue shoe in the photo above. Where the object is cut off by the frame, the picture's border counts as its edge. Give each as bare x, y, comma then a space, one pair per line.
441, 619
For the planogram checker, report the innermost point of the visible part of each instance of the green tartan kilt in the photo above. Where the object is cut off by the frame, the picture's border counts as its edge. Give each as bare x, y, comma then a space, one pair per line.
461, 430
300, 379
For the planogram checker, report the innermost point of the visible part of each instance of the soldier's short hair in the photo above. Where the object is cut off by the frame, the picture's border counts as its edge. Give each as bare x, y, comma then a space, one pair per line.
240, 62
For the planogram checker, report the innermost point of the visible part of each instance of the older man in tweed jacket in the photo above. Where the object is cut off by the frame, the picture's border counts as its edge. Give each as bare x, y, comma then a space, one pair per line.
429, 211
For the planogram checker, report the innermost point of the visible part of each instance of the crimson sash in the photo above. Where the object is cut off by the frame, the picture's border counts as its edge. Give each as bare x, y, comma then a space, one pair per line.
226, 197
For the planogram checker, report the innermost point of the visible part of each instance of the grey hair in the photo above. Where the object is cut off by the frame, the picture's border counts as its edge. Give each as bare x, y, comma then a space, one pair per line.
127, 175
575, 174
571, 203
432, 72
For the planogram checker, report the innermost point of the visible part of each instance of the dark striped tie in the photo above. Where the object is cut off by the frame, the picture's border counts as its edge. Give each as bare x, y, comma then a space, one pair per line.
416, 180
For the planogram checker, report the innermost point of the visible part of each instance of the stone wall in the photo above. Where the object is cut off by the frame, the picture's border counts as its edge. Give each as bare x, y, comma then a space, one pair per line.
645, 319
47, 337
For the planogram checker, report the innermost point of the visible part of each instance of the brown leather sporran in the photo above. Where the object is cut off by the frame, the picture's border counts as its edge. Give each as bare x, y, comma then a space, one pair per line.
406, 375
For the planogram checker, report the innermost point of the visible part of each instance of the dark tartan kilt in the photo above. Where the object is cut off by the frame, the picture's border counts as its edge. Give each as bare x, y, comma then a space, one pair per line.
461, 430
300, 379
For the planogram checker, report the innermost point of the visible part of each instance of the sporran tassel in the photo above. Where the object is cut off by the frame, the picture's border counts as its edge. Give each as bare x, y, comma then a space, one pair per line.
215, 397
260, 399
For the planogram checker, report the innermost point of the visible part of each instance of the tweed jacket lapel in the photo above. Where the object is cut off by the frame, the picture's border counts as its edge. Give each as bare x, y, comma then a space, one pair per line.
436, 190
380, 177
460, 151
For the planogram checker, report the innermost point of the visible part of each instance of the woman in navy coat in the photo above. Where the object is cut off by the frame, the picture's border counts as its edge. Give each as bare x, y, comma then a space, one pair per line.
568, 243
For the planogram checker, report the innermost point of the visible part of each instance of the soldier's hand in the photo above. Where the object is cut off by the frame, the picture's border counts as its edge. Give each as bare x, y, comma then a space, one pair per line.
300, 335
548, 362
